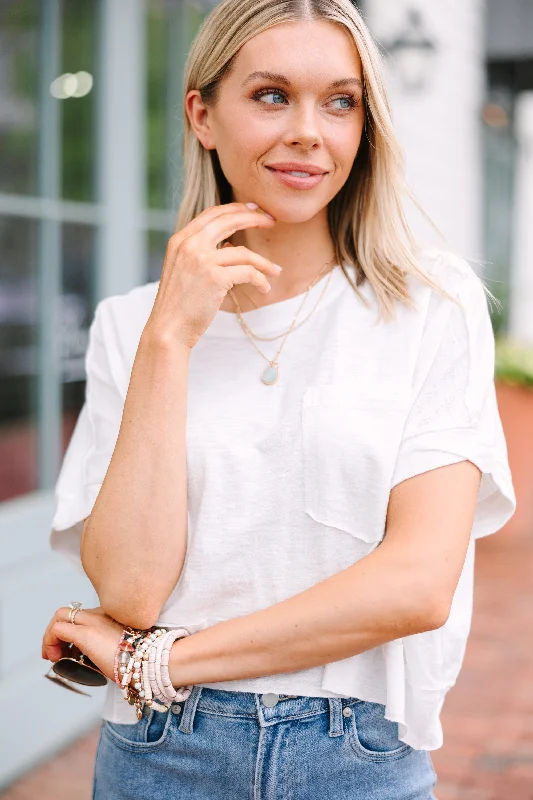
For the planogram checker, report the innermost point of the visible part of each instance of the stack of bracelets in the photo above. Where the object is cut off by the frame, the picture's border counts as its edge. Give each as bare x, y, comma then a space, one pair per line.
141, 668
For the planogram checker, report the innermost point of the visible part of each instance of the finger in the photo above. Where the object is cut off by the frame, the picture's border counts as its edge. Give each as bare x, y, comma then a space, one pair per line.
46, 636
61, 633
83, 616
199, 222
240, 254
244, 273
52, 645
60, 613
223, 226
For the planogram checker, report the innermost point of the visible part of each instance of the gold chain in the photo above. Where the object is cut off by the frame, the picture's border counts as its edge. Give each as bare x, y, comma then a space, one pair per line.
279, 335
271, 374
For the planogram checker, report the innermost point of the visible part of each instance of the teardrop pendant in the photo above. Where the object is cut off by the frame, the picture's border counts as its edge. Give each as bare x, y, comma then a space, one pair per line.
270, 375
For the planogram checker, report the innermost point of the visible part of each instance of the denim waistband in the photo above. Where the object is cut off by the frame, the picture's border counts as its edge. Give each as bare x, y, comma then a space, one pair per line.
229, 703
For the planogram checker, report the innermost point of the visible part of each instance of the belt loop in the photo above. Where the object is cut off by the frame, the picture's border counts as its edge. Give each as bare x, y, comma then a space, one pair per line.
189, 710
336, 726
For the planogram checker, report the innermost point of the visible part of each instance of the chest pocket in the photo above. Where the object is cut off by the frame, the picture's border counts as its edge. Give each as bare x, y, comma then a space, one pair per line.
350, 443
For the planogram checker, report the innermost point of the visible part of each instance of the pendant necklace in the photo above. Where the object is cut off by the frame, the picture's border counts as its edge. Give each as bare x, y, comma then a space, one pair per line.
271, 374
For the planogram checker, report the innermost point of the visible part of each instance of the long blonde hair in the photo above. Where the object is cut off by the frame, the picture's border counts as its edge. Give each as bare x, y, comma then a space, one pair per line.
366, 220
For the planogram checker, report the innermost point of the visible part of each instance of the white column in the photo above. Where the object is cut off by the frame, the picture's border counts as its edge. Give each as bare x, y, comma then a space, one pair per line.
122, 151
521, 306
439, 126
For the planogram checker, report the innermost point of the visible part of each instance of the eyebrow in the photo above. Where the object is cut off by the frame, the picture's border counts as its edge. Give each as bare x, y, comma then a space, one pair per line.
277, 78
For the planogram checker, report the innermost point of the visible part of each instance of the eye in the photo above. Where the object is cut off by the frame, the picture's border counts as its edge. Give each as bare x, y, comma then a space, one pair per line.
347, 98
351, 100
264, 92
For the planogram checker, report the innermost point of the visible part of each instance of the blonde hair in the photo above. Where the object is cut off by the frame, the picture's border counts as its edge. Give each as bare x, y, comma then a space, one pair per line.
366, 220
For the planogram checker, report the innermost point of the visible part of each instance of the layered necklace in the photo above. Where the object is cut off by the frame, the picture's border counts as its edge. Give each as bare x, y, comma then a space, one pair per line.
270, 375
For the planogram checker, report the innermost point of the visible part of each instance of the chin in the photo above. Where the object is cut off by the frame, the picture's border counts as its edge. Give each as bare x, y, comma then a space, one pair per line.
293, 211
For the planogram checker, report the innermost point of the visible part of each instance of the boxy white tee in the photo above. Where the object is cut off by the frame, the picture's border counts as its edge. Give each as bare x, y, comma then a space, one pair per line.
289, 484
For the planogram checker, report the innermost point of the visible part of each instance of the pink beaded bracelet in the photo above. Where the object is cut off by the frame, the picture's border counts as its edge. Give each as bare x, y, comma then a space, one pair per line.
154, 672
183, 692
160, 687
118, 656
130, 652
124, 652
141, 668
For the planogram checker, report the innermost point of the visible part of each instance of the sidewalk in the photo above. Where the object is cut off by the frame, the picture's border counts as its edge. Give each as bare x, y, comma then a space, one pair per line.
487, 717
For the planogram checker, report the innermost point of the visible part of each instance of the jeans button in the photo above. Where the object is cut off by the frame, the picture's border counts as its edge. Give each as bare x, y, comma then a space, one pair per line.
347, 711
269, 699
176, 709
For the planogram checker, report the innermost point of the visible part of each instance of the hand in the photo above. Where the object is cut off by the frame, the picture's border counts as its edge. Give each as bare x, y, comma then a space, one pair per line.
197, 275
93, 632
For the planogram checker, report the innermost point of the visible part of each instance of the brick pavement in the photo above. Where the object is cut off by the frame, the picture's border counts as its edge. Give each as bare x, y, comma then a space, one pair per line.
487, 717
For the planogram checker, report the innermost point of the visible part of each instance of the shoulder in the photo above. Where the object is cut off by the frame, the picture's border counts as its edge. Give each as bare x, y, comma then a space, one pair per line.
123, 316
454, 327
453, 273
462, 333
116, 329
462, 282
134, 306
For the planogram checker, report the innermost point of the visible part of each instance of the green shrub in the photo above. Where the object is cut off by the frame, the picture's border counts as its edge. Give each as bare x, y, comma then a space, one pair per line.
514, 362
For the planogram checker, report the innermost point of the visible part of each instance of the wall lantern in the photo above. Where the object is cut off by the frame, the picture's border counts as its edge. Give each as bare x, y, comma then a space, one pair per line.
413, 52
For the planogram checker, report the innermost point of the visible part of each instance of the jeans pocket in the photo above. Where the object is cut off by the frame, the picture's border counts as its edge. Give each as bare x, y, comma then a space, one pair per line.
149, 733
373, 737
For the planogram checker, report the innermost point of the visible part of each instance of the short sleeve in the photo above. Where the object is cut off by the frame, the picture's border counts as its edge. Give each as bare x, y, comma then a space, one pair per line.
92, 442
455, 416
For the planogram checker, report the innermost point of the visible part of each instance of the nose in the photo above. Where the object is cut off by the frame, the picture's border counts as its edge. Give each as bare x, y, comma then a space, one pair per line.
304, 126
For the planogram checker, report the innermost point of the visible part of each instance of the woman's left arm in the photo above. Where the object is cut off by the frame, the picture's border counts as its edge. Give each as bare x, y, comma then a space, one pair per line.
405, 586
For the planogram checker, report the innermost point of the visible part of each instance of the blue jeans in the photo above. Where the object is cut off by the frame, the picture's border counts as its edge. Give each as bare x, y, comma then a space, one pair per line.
233, 745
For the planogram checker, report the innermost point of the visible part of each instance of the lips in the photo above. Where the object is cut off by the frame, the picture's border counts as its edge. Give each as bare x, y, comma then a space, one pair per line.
286, 177
294, 167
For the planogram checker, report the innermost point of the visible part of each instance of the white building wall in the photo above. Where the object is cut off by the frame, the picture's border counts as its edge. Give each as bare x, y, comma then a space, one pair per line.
439, 126
521, 309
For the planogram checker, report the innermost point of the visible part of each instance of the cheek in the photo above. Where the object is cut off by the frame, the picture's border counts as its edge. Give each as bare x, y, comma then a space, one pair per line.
244, 153
344, 149
246, 143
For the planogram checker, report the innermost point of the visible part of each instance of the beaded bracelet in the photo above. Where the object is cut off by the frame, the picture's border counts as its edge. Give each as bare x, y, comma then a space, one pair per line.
183, 692
151, 641
141, 668
124, 648
136, 648
153, 671
158, 679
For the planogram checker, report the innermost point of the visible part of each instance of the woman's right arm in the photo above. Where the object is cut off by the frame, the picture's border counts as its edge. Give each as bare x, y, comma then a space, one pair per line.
134, 541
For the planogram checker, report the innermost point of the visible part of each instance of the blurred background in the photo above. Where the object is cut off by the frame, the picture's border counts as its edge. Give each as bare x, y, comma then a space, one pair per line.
90, 163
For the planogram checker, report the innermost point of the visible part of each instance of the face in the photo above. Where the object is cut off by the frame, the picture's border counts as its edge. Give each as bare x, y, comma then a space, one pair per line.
296, 114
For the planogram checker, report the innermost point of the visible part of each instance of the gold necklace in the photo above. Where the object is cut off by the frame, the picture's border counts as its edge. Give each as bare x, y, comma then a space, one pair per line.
279, 335
248, 296
271, 374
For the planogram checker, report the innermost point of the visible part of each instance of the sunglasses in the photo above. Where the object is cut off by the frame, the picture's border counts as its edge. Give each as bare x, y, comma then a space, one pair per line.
75, 667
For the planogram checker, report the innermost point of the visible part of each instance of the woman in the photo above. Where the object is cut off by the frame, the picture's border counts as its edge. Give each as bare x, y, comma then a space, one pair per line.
294, 465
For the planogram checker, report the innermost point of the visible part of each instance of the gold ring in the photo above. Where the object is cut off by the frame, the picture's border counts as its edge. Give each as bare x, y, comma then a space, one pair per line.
75, 606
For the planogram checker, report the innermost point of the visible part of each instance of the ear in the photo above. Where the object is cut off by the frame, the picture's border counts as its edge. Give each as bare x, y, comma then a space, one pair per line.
198, 114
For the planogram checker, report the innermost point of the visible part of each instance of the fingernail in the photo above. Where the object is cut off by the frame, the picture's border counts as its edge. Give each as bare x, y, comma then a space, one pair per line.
278, 266
251, 205
269, 215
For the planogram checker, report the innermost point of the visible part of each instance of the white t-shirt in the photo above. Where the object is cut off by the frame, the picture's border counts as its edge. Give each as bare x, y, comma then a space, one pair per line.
288, 484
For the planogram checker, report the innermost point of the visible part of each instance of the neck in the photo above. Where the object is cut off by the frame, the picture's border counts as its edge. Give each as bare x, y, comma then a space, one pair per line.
302, 249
